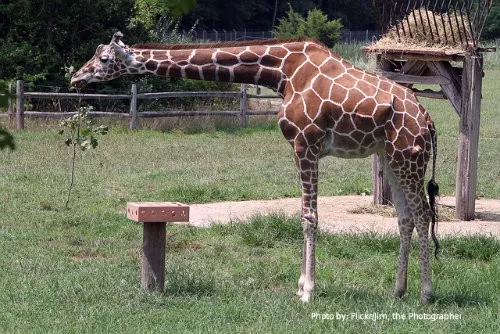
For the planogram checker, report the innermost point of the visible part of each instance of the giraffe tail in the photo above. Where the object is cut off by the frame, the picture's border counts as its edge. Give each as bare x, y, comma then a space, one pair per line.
433, 188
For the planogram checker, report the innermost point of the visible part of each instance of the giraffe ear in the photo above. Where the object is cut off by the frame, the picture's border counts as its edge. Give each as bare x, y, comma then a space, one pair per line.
122, 53
117, 39
119, 46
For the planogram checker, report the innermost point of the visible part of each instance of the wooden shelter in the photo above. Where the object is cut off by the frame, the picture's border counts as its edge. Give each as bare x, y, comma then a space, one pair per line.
437, 42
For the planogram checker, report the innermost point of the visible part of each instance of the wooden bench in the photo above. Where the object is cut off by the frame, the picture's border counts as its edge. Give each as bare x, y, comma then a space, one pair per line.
154, 216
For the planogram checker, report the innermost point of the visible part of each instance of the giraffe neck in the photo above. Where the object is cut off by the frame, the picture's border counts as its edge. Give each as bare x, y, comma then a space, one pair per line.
266, 65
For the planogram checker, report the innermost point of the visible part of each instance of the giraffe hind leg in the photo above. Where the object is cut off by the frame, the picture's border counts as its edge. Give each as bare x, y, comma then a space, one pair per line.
413, 213
405, 226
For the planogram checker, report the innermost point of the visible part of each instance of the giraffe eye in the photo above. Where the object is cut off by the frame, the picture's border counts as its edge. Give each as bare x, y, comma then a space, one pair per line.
104, 59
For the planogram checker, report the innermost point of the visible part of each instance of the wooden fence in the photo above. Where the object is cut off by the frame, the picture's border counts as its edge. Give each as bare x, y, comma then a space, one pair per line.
17, 109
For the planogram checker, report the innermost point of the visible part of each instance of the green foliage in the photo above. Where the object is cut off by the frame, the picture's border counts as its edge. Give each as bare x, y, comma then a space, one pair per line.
79, 130
147, 12
5, 94
315, 25
289, 25
38, 38
492, 25
79, 134
6, 139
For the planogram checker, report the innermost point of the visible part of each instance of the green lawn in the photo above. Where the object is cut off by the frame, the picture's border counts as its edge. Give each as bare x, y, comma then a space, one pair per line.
83, 276
77, 270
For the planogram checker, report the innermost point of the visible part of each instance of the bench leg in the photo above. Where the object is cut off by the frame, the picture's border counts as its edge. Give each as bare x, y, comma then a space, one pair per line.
153, 257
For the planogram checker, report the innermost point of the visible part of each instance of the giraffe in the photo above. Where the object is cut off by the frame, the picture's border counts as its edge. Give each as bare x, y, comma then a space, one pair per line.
329, 107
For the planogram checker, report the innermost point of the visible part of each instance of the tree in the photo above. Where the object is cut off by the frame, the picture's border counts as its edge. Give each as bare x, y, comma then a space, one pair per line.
315, 25
147, 12
492, 26
37, 38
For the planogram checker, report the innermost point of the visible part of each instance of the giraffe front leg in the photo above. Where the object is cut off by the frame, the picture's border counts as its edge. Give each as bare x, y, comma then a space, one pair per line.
309, 225
308, 170
302, 278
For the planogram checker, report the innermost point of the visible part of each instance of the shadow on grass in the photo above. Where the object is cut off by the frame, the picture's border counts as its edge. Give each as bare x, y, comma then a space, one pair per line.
461, 299
182, 282
332, 292
477, 247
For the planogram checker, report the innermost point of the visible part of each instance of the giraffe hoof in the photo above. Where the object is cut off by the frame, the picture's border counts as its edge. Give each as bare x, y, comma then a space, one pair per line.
399, 293
425, 298
305, 298
300, 293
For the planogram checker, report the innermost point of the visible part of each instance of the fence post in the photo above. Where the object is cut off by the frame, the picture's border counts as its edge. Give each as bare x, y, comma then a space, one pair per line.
133, 107
10, 101
243, 105
20, 105
468, 140
381, 189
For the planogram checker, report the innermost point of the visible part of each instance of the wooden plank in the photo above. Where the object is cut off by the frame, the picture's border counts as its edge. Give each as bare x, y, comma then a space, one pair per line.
243, 106
19, 105
43, 95
161, 95
50, 114
153, 114
11, 103
269, 96
157, 212
153, 256
133, 107
468, 140
414, 79
429, 93
414, 67
381, 189
409, 54
262, 112
452, 90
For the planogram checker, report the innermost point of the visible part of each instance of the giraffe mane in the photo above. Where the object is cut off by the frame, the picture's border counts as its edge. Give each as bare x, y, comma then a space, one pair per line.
158, 46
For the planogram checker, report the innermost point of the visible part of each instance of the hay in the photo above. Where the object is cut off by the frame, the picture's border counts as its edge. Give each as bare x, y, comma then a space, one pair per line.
374, 209
423, 29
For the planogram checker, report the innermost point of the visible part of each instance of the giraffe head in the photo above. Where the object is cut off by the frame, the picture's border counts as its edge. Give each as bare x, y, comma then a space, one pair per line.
107, 63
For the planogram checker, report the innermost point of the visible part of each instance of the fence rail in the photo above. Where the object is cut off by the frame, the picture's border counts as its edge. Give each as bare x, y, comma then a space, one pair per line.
20, 113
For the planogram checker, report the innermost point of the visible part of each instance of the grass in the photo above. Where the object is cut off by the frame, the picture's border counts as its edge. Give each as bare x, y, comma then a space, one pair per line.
77, 270
233, 278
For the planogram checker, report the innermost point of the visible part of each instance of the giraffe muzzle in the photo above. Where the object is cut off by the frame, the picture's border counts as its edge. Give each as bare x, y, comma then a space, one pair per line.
79, 80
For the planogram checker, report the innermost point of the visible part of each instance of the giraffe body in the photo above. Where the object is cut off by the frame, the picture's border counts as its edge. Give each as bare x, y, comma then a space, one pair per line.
329, 108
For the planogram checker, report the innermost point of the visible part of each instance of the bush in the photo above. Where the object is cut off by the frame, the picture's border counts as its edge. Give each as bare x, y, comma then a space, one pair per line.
315, 25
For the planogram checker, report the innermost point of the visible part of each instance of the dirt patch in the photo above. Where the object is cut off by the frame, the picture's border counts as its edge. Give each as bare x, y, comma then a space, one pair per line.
336, 215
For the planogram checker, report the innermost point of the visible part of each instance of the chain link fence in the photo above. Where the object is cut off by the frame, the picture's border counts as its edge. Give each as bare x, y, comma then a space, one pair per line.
347, 36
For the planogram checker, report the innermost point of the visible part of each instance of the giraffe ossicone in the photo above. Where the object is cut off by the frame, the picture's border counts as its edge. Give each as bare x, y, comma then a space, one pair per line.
329, 107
